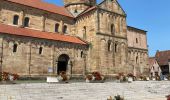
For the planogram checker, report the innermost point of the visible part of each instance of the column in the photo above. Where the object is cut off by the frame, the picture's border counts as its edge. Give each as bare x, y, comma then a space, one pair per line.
21, 22
43, 22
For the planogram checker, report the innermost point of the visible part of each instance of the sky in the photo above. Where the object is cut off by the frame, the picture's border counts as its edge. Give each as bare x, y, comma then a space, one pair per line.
150, 15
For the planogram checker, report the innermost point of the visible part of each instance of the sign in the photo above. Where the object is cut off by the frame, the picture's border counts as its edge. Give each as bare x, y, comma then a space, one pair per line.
50, 69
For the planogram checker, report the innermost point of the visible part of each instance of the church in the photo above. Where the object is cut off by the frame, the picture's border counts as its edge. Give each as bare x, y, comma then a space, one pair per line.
38, 38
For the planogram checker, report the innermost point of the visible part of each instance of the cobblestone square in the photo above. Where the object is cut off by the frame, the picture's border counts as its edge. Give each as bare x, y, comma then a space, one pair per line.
139, 90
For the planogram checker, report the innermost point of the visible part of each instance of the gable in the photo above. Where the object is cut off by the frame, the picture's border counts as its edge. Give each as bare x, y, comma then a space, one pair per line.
113, 6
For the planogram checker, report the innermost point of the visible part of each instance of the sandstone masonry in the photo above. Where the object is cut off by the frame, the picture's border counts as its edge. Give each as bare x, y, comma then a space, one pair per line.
112, 46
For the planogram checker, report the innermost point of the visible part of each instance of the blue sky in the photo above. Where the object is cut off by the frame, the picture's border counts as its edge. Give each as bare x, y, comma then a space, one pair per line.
150, 15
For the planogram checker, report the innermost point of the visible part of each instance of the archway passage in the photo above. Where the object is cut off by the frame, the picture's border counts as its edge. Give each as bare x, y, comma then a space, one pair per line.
62, 63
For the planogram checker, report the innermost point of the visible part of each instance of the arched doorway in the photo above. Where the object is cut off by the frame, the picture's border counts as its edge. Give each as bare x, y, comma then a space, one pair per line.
62, 63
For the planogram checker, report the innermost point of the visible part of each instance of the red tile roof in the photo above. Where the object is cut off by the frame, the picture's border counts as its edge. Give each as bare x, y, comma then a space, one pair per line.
87, 10
6, 29
39, 4
163, 57
151, 61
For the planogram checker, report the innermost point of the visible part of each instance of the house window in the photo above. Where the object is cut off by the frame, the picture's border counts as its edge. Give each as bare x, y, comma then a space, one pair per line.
15, 20
137, 60
82, 54
15, 48
85, 30
26, 22
65, 29
56, 27
109, 45
112, 29
136, 40
75, 11
40, 50
115, 47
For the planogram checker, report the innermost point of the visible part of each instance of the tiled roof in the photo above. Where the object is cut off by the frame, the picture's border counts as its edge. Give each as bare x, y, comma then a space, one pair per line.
87, 10
163, 57
151, 61
6, 29
39, 4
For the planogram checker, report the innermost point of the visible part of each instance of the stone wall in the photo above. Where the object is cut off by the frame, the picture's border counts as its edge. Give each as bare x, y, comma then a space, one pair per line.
78, 6
27, 60
113, 47
137, 38
102, 57
138, 51
85, 28
39, 20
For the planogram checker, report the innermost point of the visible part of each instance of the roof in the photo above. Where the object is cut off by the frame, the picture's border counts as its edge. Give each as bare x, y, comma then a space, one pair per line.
12, 30
39, 4
134, 28
87, 10
117, 3
163, 57
151, 61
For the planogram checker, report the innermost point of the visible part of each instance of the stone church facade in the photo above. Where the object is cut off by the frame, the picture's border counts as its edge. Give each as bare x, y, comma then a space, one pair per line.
37, 39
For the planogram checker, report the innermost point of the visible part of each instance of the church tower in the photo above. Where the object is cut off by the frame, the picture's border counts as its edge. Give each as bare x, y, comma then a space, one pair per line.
78, 6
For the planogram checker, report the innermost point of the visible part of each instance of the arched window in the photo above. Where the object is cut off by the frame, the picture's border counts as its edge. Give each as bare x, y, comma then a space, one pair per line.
109, 45
40, 50
136, 40
116, 47
15, 19
65, 29
85, 30
26, 22
56, 27
82, 54
15, 47
112, 29
136, 59
75, 11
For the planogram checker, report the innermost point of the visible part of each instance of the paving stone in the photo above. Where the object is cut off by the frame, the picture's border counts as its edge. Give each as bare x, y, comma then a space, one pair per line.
139, 90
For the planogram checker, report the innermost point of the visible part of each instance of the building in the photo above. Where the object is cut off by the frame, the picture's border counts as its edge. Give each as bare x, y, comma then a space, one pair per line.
80, 37
163, 59
155, 69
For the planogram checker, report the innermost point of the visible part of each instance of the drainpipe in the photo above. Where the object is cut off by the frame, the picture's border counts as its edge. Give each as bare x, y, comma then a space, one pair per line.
1, 55
98, 20
29, 69
54, 62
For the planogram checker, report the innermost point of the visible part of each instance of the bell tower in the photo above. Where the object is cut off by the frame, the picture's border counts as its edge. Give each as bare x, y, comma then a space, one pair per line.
78, 6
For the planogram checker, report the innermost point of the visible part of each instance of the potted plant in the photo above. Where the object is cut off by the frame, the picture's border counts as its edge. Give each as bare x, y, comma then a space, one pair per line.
95, 77
168, 97
121, 77
9, 78
131, 77
63, 77
117, 97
